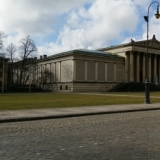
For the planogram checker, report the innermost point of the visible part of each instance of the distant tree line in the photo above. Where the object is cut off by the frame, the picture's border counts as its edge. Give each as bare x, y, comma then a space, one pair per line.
21, 59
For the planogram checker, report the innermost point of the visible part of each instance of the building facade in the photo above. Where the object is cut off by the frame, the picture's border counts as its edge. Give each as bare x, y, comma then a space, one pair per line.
76, 71
134, 54
94, 70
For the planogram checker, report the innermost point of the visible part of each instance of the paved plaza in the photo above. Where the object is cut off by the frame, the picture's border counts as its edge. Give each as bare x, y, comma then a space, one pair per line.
119, 136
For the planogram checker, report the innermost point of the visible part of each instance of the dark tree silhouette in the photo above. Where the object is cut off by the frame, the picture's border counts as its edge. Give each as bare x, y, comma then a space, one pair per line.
27, 51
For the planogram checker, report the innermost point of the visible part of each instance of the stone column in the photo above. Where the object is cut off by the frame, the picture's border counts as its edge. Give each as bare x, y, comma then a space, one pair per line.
105, 72
149, 68
127, 62
115, 72
74, 70
131, 66
55, 77
55, 72
41, 72
144, 67
138, 68
96, 71
85, 71
50, 72
60, 69
155, 68
123, 73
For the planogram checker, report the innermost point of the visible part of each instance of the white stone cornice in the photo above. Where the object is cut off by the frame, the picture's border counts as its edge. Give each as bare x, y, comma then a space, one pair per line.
142, 49
119, 50
133, 48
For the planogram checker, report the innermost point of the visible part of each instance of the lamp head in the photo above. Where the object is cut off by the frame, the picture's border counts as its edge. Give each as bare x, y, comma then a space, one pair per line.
157, 15
146, 18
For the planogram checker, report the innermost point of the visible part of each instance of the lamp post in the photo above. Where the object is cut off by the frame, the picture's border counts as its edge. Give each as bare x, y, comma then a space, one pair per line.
157, 15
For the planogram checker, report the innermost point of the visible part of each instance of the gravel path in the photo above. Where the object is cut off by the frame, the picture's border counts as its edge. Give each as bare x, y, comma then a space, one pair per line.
121, 136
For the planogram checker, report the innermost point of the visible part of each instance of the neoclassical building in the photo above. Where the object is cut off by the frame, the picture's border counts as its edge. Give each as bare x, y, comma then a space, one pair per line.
134, 54
81, 71
75, 71
94, 70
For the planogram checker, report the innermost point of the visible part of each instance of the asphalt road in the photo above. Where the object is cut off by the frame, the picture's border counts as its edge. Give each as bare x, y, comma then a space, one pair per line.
121, 136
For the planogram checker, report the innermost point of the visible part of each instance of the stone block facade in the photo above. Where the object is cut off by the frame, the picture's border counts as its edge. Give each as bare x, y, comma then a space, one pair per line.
77, 71
81, 87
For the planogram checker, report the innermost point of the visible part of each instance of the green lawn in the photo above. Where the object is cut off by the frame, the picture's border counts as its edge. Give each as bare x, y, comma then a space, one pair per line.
52, 100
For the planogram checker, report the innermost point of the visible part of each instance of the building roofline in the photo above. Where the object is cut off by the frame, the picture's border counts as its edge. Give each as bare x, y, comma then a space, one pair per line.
82, 52
131, 43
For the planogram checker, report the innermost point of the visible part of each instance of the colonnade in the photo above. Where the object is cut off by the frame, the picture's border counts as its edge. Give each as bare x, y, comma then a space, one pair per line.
135, 67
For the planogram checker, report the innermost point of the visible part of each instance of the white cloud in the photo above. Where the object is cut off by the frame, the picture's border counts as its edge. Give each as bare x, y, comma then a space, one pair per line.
97, 26
92, 27
33, 17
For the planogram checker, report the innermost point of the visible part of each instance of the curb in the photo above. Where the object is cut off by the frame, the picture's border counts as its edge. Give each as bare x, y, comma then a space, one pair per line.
23, 119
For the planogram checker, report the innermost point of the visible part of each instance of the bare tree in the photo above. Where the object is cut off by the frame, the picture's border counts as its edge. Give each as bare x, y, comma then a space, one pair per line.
2, 36
46, 75
27, 50
10, 53
11, 49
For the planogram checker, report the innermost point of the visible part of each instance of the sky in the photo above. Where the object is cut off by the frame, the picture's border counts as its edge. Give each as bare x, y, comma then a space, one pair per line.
61, 25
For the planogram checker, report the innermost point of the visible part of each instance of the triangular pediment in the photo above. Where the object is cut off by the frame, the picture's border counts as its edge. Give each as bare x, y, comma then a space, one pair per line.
152, 43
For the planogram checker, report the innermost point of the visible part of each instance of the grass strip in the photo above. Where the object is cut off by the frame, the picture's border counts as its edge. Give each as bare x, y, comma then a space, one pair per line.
51, 100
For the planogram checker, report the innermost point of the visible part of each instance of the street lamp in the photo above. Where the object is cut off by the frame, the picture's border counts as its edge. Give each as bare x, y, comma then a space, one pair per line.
157, 15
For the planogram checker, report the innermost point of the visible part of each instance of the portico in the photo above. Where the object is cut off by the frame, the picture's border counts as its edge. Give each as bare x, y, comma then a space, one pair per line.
135, 67
134, 53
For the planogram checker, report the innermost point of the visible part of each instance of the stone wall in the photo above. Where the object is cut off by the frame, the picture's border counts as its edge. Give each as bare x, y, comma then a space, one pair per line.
87, 72
101, 72
110, 72
119, 72
80, 87
66, 71
93, 87
80, 70
90, 71
98, 71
